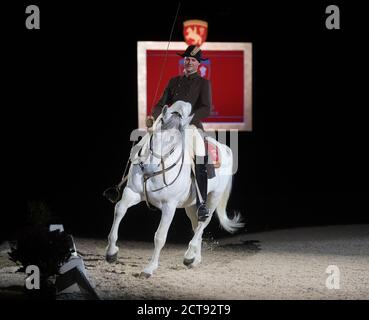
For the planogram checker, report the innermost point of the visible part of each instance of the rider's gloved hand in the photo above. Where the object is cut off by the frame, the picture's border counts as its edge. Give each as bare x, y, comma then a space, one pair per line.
149, 121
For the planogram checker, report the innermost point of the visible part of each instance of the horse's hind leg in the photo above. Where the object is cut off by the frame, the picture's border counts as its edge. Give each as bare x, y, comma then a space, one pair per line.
129, 199
192, 256
167, 215
192, 252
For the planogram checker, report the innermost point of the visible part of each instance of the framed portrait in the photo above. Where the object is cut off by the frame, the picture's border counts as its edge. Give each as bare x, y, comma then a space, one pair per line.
229, 68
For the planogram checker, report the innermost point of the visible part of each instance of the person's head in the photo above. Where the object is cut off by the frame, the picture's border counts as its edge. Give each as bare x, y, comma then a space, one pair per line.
191, 64
192, 59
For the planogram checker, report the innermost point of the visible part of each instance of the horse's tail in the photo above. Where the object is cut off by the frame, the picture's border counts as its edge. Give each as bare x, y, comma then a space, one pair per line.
230, 225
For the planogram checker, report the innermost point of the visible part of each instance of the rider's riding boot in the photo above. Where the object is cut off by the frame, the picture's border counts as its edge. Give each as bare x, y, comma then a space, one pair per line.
202, 182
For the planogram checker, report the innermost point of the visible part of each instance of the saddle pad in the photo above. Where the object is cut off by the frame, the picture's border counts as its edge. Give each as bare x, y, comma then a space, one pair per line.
213, 153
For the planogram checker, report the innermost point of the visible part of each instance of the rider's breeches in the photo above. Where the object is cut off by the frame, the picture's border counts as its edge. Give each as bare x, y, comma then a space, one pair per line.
196, 142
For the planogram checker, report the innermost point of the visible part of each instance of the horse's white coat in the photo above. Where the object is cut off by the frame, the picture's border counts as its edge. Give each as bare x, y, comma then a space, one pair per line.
180, 194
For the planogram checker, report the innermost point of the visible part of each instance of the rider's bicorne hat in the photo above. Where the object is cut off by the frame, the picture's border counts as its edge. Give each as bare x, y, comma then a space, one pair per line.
194, 52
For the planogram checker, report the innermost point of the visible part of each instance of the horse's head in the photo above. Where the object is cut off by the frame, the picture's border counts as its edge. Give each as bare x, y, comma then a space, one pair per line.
167, 137
177, 116
170, 120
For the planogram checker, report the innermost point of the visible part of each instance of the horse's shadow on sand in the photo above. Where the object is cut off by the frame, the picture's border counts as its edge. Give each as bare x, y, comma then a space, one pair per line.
247, 246
252, 246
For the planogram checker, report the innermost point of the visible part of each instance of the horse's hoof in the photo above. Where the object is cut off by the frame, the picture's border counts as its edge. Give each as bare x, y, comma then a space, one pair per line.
144, 275
112, 258
188, 262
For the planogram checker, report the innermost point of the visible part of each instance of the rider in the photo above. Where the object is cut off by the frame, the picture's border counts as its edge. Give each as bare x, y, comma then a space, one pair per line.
192, 88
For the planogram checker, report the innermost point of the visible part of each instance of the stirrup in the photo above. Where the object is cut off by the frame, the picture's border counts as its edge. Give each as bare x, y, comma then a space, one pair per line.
202, 212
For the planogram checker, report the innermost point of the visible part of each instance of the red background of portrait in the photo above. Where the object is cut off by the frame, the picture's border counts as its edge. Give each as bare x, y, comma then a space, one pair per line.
226, 73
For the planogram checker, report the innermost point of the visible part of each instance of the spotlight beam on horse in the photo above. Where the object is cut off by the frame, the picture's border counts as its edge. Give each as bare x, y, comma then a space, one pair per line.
160, 174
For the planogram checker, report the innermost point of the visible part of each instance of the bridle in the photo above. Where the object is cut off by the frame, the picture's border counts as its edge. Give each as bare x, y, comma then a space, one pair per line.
164, 169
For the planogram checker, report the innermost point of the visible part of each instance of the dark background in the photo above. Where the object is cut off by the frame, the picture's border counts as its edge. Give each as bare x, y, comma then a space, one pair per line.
70, 104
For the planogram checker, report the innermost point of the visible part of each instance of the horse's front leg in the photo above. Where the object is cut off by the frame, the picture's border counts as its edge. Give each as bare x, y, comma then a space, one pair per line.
167, 215
129, 199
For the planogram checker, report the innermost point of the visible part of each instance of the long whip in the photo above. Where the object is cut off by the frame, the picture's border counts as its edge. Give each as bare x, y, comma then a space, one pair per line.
113, 194
166, 56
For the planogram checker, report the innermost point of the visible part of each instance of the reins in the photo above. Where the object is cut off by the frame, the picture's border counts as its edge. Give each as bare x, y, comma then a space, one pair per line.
148, 176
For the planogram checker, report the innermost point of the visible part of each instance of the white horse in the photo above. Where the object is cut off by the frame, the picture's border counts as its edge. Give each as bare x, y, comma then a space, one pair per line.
161, 175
